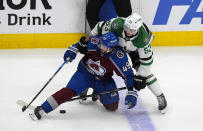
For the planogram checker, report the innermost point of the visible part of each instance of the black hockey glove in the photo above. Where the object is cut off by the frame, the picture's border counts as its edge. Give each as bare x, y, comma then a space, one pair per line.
139, 82
82, 47
82, 42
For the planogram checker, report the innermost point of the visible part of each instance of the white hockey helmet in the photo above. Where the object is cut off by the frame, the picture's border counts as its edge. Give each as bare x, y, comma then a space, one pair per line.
132, 24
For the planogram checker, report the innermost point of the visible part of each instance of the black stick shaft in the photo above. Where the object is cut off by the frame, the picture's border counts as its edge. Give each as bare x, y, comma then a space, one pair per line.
101, 93
25, 107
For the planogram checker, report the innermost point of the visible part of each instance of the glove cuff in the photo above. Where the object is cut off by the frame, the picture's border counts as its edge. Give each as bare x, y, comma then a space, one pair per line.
133, 93
73, 49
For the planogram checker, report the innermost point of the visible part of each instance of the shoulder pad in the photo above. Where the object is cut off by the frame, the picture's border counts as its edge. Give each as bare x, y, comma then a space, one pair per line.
117, 26
143, 38
93, 42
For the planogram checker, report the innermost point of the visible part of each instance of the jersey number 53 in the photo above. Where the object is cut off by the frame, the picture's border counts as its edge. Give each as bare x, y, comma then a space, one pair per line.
147, 49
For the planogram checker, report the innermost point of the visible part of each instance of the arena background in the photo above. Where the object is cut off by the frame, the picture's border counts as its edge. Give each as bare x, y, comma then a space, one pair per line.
59, 24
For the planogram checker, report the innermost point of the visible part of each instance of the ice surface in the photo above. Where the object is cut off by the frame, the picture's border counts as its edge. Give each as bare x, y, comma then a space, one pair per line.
24, 72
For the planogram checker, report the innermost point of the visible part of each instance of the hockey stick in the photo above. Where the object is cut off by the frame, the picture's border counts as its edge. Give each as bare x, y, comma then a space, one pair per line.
23, 103
31, 107
101, 93
26, 106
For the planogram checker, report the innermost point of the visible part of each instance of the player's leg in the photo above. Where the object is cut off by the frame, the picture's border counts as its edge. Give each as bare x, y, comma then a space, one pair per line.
92, 12
123, 7
151, 81
52, 102
154, 86
72, 89
84, 93
110, 101
94, 98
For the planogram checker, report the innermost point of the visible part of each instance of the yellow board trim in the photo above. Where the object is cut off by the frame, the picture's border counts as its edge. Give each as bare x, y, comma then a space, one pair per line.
56, 40
178, 38
63, 40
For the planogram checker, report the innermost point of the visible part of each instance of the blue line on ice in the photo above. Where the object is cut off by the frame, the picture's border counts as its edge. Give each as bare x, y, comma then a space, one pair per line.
137, 117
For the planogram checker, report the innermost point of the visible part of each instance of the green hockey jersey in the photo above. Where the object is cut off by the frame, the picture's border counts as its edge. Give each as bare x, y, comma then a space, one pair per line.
141, 42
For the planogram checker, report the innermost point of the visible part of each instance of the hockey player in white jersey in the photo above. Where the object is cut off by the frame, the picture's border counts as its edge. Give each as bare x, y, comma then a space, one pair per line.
135, 38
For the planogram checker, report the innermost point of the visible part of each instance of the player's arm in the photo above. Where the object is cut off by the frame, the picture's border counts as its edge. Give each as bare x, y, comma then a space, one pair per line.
72, 50
144, 50
146, 55
97, 29
145, 58
103, 27
133, 82
123, 69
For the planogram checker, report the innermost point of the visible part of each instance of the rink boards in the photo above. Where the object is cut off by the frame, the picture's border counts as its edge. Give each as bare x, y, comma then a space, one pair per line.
63, 40
51, 24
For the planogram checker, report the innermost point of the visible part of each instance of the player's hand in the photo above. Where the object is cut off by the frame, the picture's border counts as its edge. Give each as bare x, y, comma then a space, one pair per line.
83, 41
70, 53
131, 99
139, 82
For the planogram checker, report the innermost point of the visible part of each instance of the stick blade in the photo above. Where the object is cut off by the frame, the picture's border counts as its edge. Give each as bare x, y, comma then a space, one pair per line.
23, 104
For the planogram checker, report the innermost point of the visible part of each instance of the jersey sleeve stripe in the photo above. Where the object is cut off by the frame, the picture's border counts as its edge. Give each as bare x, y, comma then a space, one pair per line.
146, 59
121, 73
152, 81
146, 64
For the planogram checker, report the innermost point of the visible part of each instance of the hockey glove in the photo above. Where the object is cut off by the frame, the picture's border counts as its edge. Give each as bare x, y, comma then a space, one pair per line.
70, 53
82, 47
139, 82
83, 41
131, 99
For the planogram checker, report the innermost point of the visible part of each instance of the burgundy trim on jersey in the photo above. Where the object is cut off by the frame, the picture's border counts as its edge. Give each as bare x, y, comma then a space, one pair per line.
63, 95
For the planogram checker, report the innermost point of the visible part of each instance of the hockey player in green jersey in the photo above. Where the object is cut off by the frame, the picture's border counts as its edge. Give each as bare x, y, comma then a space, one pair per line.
135, 38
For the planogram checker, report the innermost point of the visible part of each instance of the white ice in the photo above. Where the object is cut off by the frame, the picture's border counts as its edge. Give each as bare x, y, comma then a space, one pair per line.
24, 72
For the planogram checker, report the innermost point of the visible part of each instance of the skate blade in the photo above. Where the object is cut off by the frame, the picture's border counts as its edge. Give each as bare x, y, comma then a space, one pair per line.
81, 101
33, 117
164, 111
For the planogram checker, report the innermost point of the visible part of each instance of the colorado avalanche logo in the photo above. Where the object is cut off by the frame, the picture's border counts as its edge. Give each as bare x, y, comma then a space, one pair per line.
120, 54
95, 68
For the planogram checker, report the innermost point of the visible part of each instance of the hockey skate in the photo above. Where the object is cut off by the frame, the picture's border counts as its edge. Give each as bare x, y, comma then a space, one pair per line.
37, 113
162, 103
95, 97
84, 93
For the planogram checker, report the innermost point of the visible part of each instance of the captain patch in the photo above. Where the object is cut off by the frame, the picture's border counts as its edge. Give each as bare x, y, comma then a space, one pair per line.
120, 54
